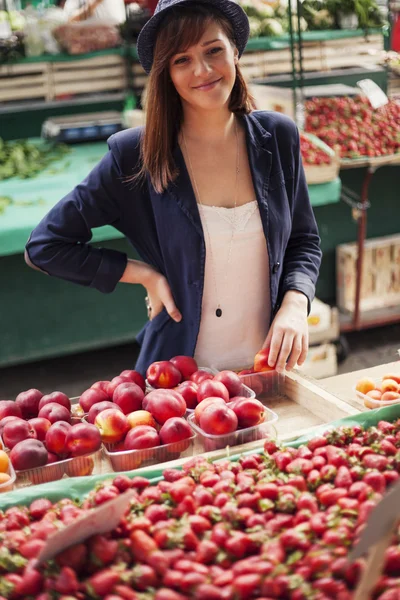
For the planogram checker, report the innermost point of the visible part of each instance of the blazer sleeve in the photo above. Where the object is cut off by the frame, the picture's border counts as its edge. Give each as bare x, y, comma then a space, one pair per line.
59, 245
303, 253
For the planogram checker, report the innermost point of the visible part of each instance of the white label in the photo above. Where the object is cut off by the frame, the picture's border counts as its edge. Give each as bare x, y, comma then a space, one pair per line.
98, 520
5, 29
375, 95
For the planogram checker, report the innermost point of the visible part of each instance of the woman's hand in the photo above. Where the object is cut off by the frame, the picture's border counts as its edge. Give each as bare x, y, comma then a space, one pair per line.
287, 338
158, 291
159, 295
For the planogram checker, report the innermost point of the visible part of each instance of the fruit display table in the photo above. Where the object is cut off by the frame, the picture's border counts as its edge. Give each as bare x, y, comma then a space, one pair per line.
48, 317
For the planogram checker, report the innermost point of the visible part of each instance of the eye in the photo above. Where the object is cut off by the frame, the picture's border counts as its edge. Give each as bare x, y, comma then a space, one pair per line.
215, 50
180, 61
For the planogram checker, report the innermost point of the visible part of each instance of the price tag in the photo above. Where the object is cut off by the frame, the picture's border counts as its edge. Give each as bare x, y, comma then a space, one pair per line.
375, 95
98, 520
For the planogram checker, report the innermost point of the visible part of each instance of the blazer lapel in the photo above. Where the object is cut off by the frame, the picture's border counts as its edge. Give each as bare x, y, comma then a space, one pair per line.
182, 192
260, 157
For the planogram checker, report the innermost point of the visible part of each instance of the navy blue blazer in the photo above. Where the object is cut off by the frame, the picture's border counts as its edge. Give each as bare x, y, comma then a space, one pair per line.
166, 231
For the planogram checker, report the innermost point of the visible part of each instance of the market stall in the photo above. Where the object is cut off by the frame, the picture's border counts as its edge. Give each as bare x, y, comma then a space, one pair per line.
281, 510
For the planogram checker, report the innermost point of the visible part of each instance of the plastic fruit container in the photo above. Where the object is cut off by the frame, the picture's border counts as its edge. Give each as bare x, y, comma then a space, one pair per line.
370, 402
79, 466
128, 460
263, 430
264, 385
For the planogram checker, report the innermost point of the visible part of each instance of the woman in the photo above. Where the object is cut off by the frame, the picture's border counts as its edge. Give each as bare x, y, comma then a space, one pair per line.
212, 196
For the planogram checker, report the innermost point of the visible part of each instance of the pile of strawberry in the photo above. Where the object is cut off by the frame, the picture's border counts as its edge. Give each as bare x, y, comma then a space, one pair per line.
274, 525
312, 154
353, 128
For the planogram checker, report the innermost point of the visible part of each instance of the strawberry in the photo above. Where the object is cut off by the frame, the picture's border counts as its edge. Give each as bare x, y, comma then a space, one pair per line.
376, 481
103, 582
139, 483
392, 561
336, 457
375, 461
293, 539
331, 497
74, 557
102, 550
31, 548
300, 466
343, 478
66, 581
166, 594
122, 483
190, 581
282, 459
31, 583
246, 586
39, 508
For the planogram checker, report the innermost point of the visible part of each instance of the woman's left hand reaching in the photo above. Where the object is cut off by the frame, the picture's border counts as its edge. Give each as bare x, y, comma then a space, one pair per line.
287, 338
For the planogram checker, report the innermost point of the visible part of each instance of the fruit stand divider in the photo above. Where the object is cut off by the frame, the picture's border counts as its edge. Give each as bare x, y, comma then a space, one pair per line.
78, 488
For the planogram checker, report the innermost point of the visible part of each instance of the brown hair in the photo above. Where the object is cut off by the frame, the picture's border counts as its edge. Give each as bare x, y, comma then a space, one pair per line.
181, 28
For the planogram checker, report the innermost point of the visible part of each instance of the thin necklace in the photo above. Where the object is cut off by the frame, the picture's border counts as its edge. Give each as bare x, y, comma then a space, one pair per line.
218, 311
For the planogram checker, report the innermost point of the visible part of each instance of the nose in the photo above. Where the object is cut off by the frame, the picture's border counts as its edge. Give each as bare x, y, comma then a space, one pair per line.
201, 67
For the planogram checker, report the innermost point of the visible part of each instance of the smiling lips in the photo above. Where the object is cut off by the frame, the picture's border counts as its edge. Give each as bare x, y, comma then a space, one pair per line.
208, 86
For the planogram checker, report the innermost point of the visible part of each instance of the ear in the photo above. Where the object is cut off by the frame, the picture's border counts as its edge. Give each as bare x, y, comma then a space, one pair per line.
236, 56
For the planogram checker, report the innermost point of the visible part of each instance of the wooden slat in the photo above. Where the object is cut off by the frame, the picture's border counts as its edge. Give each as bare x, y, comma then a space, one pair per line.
87, 87
117, 72
22, 93
26, 81
88, 63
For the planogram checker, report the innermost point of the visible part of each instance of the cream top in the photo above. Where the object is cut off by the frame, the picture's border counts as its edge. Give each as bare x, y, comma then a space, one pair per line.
243, 289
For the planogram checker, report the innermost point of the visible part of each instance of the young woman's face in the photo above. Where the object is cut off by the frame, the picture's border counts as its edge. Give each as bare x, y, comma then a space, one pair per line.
205, 73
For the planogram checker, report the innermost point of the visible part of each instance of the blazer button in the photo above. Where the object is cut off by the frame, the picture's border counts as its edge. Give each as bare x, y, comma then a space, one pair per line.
275, 268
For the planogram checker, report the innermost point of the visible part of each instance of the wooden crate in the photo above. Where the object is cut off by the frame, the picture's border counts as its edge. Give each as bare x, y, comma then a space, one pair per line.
25, 82
92, 75
317, 56
53, 80
380, 278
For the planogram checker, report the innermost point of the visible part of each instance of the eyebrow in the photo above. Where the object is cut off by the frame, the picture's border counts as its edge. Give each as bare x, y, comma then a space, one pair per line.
203, 45
211, 42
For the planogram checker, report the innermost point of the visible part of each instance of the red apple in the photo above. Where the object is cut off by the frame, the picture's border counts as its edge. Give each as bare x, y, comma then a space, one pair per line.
186, 365
8, 408
128, 396
141, 438
112, 424
203, 405
28, 454
200, 375
15, 431
114, 383
90, 397
163, 374
175, 430
212, 389
98, 408
249, 411
217, 419
164, 404
41, 426
141, 417
29, 403
101, 385
55, 412
231, 381
188, 389
6, 420
56, 438
58, 398
135, 377
83, 438
261, 361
